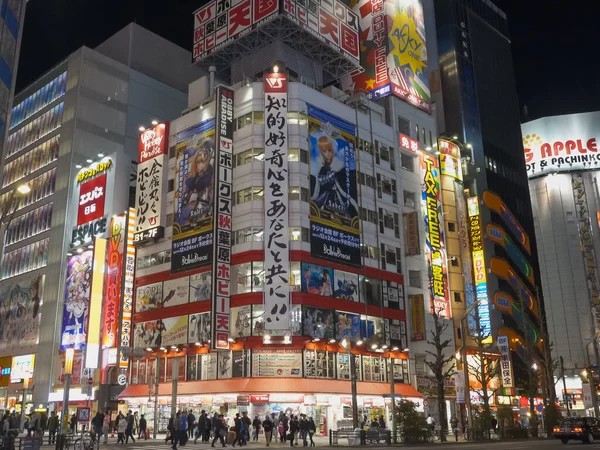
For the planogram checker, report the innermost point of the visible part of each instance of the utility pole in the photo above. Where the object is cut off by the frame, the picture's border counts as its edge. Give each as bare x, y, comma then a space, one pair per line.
566, 395
393, 397
156, 383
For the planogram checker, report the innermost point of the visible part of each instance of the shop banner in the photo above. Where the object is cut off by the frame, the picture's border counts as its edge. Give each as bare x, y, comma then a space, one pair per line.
435, 248
20, 305
241, 321
459, 378
149, 334
276, 297
148, 297
393, 51
22, 368
584, 225
465, 255
151, 184
450, 159
345, 285
113, 281
347, 325
418, 317
318, 323
506, 371
317, 280
413, 243
199, 328
221, 258
410, 144
277, 363
334, 220
176, 291
91, 200
175, 330
194, 192
428, 386
200, 286
125, 327
77, 301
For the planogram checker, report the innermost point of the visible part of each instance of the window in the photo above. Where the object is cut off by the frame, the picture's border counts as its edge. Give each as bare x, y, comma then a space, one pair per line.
248, 156
29, 225
370, 290
407, 162
366, 180
298, 193
374, 368
457, 298
249, 234
365, 146
420, 365
248, 277
144, 262
368, 251
409, 199
25, 259
46, 95
403, 126
417, 131
386, 186
259, 118
424, 137
243, 121
44, 154
299, 234
247, 195
454, 261
319, 364
451, 227
295, 155
414, 278
297, 118
171, 185
400, 370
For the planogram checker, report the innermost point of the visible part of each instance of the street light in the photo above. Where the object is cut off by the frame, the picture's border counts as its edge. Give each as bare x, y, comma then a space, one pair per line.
346, 345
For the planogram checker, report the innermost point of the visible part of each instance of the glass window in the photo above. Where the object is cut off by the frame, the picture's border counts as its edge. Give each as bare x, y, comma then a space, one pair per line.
258, 276
407, 162
319, 364
259, 118
295, 276
293, 154
192, 371
242, 274
414, 278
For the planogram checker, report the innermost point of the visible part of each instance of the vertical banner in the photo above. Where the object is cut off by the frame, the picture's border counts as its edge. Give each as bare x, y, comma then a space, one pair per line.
479, 269
459, 379
586, 243
418, 317
92, 349
77, 301
113, 284
506, 371
334, 220
276, 297
151, 185
434, 229
413, 243
127, 307
465, 254
450, 159
194, 197
221, 281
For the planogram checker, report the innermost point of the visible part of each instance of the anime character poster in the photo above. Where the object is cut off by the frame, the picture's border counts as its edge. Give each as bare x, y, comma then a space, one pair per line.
225, 364
334, 220
200, 284
241, 319
316, 280
318, 323
175, 331
77, 301
148, 297
20, 313
149, 334
199, 328
345, 285
347, 326
176, 291
194, 194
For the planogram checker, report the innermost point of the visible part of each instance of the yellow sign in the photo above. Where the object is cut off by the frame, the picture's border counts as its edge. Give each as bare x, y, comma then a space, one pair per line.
97, 169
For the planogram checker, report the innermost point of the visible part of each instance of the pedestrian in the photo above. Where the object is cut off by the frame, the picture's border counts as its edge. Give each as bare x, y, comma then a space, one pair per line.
143, 431
201, 426
430, 423
170, 431
207, 428
106, 425
129, 428
494, 424
52, 428
256, 427
312, 429
293, 430
181, 435
381, 422
239, 430
121, 429
34, 423
6, 424
454, 426
73, 424
43, 424
303, 424
220, 430
275, 421
97, 424
191, 423
364, 422
215, 423
268, 429
247, 425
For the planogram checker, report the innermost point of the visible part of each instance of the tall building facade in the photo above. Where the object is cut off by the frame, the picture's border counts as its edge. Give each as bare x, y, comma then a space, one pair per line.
72, 142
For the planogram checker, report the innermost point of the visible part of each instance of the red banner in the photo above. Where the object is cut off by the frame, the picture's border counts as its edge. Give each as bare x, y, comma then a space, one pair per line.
91, 200
114, 275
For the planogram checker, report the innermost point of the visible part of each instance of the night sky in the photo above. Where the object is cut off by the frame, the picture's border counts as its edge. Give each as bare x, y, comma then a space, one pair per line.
554, 43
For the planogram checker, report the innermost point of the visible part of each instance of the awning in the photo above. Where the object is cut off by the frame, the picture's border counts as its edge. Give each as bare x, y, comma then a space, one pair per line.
272, 385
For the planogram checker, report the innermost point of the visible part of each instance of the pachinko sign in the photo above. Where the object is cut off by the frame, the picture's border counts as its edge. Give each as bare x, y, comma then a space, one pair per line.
434, 231
561, 144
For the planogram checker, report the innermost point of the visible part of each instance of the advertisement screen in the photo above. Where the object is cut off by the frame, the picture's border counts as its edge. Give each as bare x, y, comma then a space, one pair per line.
20, 310
393, 51
334, 217
77, 301
194, 195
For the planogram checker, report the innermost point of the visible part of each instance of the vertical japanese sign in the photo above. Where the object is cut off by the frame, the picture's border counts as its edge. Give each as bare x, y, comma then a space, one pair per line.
113, 284
276, 297
465, 255
91, 200
92, 349
194, 197
413, 244
505, 362
151, 186
584, 226
450, 159
434, 230
127, 315
221, 281
479, 269
418, 317
77, 301
334, 220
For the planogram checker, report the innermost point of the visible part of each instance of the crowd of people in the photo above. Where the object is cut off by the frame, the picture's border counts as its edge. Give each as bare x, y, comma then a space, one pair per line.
215, 429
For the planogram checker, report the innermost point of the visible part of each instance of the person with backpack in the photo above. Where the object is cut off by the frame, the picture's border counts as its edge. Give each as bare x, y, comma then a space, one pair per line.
268, 429
220, 430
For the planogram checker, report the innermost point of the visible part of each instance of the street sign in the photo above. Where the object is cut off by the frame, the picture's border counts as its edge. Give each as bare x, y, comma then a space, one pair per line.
122, 379
90, 381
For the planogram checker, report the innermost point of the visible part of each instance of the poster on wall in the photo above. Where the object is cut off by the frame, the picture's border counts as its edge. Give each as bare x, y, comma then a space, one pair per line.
208, 366
334, 220
148, 297
318, 323
276, 296
199, 328
345, 285
277, 363
200, 286
394, 51
317, 280
77, 301
225, 365
194, 197
241, 318
20, 313
176, 291
148, 334
175, 330
347, 326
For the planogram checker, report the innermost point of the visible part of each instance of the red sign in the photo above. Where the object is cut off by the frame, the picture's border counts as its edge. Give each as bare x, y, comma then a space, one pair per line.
275, 83
91, 200
259, 398
114, 272
407, 143
153, 142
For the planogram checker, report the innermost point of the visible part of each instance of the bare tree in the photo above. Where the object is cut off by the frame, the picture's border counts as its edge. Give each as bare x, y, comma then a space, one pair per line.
442, 366
487, 369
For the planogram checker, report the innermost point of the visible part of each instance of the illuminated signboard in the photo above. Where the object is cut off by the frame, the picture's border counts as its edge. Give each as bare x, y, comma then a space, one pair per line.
505, 362
450, 159
410, 144
93, 336
91, 200
502, 269
496, 204
435, 240
479, 269
22, 368
497, 235
114, 275
125, 327
95, 170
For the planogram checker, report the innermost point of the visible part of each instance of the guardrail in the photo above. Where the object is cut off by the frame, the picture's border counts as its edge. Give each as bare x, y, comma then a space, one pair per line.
360, 437
12, 442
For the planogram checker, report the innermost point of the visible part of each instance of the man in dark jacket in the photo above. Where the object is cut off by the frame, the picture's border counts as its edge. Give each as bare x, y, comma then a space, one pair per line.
143, 428
268, 429
239, 430
303, 429
201, 426
191, 422
52, 428
220, 430
129, 429
97, 423
293, 430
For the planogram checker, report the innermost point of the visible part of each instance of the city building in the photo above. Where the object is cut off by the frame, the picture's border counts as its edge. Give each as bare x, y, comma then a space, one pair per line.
562, 163
67, 168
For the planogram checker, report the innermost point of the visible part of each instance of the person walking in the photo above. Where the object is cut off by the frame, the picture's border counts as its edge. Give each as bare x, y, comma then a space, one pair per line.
52, 428
200, 429
268, 429
256, 428
136, 424
106, 425
247, 426
181, 435
34, 423
312, 429
284, 420
239, 430
381, 422
97, 423
121, 428
293, 430
191, 423
73, 424
303, 424
430, 423
129, 428
207, 428
220, 430
170, 431
143, 425
454, 426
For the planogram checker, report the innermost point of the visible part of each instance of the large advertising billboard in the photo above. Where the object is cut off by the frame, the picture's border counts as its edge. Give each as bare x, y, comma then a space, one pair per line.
194, 197
334, 220
561, 143
393, 51
20, 312
435, 248
450, 159
77, 300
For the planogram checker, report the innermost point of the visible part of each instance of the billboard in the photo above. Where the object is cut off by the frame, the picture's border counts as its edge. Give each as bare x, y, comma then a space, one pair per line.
221, 257
318, 323
393, 51
418, 317
194, 195
561, 143
334, 220
410, 144
276, 297
347, 326
176, 291
450, 159
77, 301
151, 184
91, 200
435, 247
20, 312
92, 346
317, 280
502, 269
127, 315
114, 277
175, 330
199, 328
505, 362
